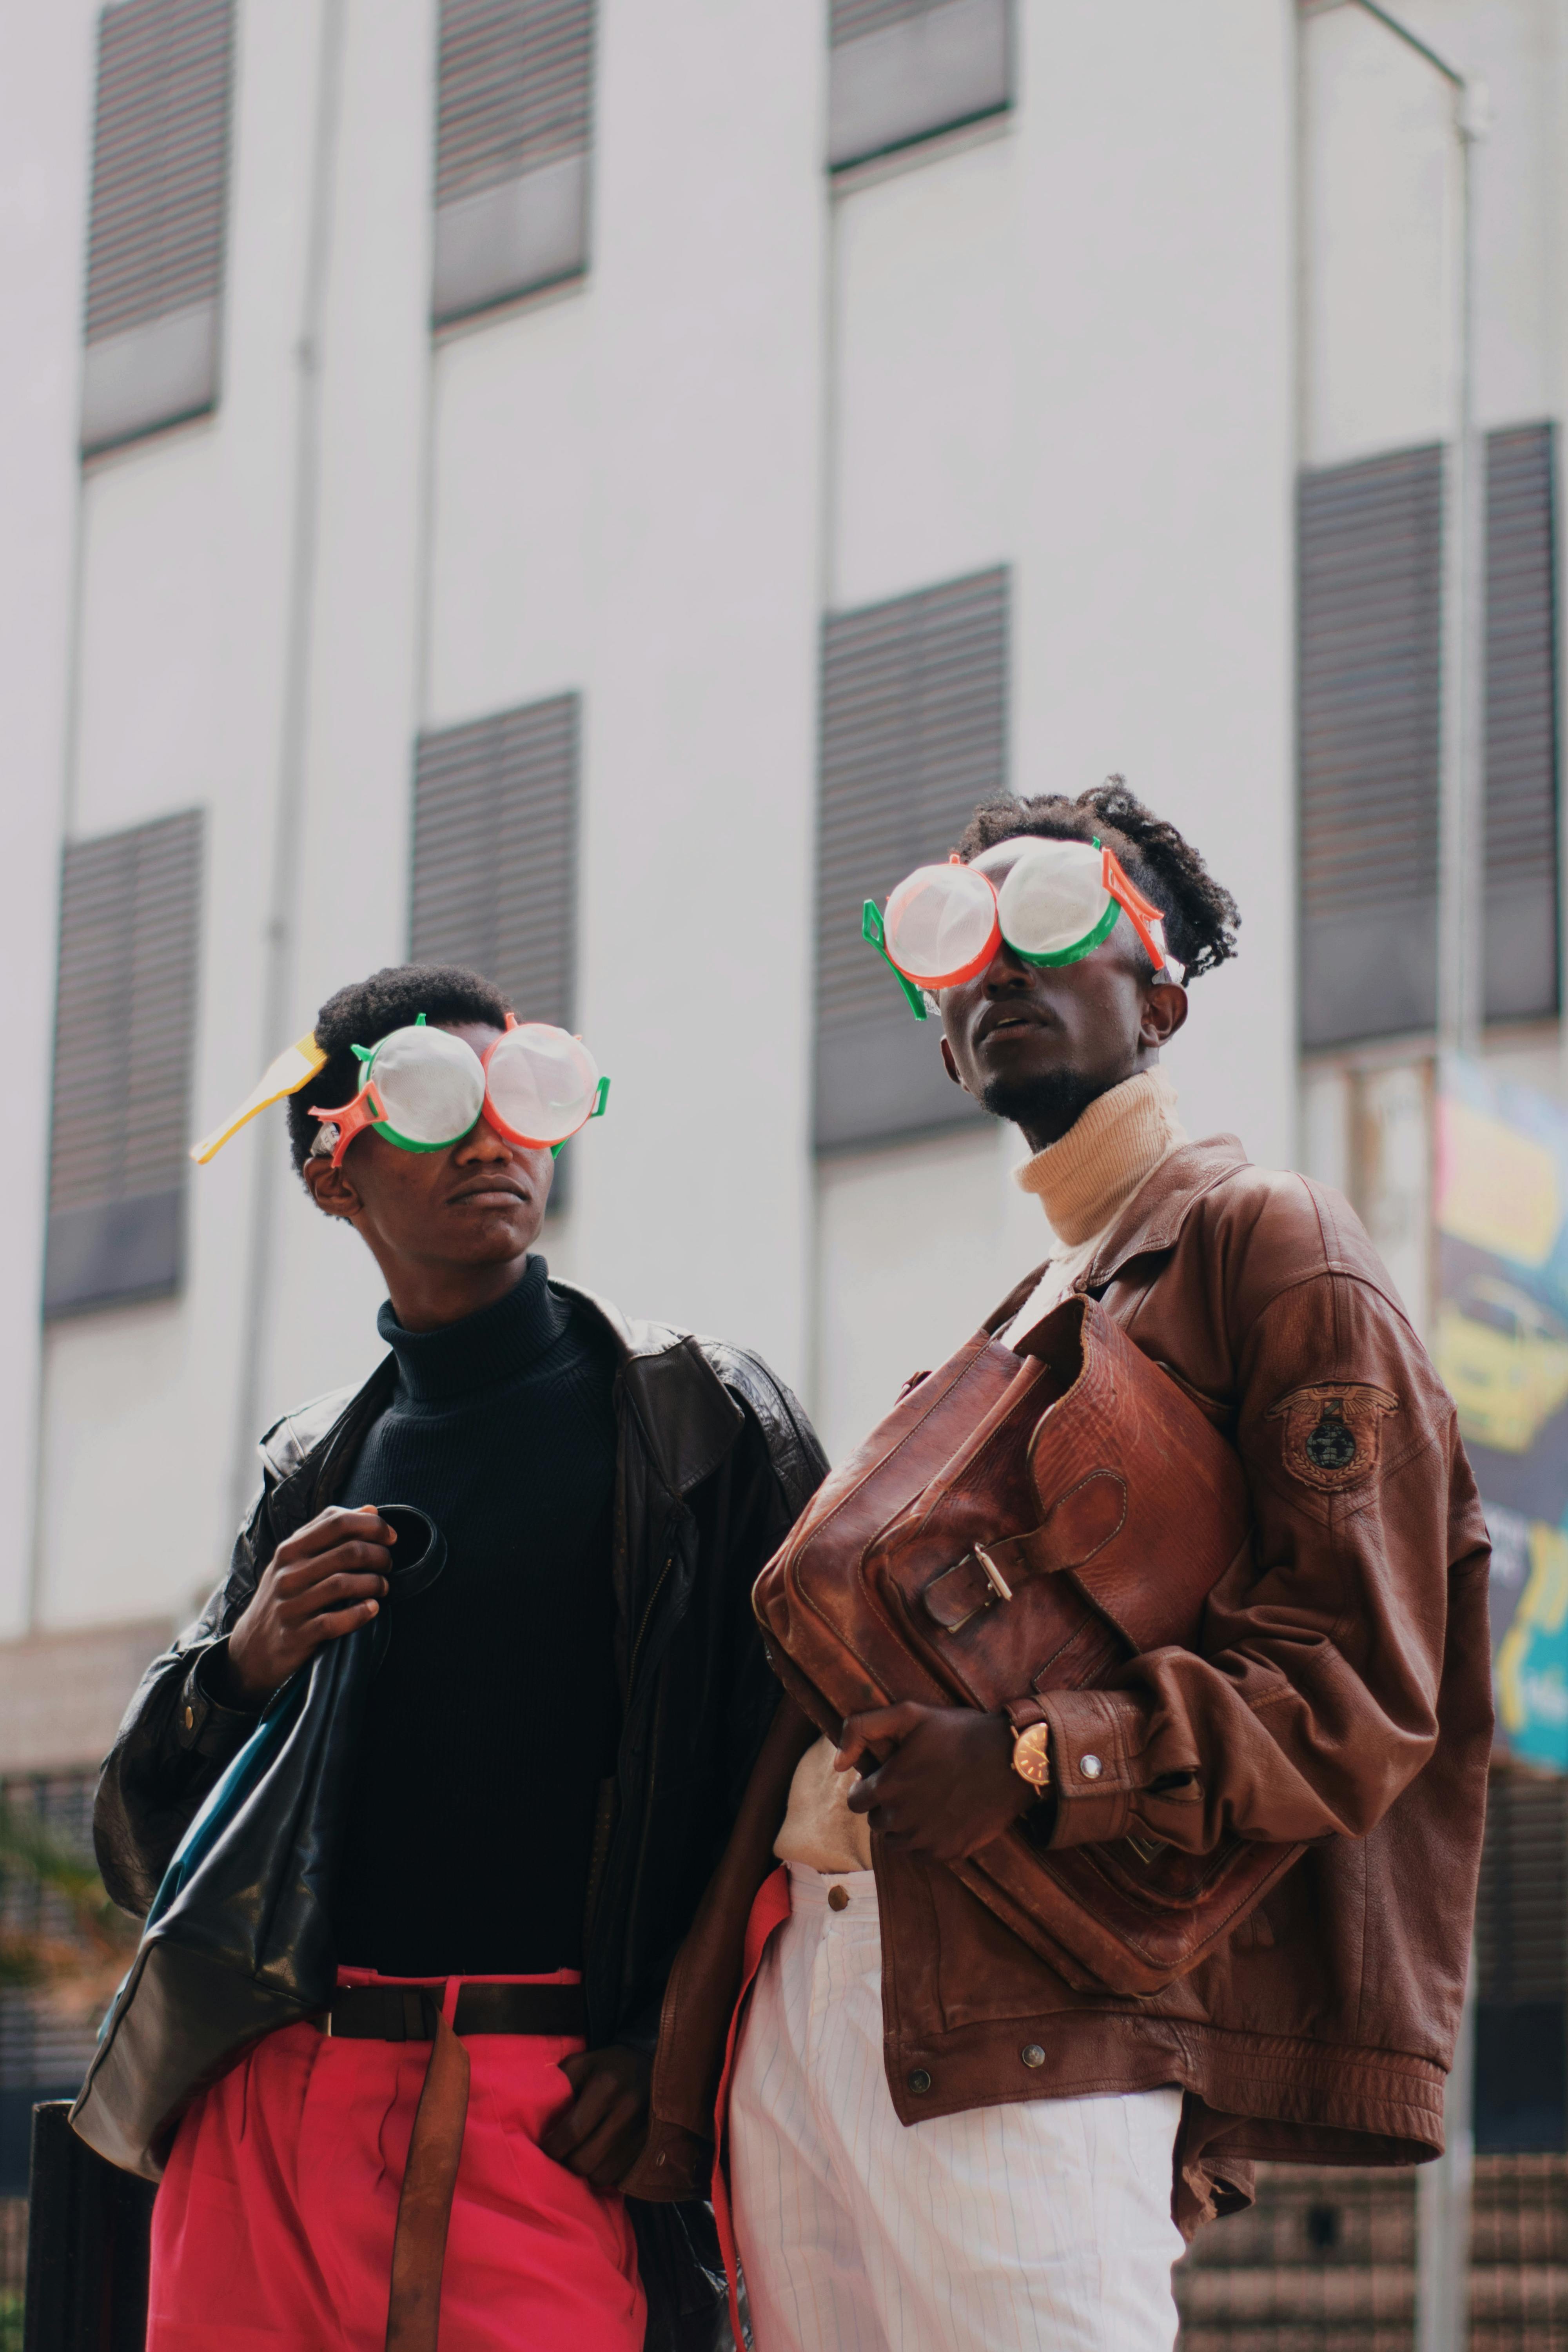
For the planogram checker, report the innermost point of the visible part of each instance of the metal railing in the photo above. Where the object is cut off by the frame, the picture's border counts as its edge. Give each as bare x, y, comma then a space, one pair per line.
1325, 2261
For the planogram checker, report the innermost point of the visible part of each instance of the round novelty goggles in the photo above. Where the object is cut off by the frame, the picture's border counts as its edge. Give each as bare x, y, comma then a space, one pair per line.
943, 924
424, 1090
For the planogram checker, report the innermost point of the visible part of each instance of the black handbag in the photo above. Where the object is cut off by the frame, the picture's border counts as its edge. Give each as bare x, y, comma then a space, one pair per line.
239, 1938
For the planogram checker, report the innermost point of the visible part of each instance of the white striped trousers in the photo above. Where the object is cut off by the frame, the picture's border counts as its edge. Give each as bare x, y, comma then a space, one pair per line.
1042, 2226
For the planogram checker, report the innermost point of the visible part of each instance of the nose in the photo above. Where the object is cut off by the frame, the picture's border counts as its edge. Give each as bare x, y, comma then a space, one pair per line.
1005, 972
484, 1142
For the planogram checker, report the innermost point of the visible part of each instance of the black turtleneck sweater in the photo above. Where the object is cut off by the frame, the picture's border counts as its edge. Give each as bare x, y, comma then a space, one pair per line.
494, 1716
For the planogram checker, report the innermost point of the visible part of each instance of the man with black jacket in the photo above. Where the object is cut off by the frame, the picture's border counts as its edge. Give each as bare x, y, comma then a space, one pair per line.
552, 1749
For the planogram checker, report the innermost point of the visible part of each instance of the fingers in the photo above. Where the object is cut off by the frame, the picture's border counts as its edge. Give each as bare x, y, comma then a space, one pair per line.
877, 1726
364, 1564
597, 2093
607, 2164
598, 2135
340, 1620
604, 2156
332, 1592
595, 2088
330, 1529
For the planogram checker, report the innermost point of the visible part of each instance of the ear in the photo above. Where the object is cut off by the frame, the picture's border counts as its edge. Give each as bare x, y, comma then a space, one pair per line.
332, 1190
949, 1066
1164, 1011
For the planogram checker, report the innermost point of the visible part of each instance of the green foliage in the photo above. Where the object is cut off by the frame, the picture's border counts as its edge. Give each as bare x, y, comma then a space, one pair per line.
91, 1931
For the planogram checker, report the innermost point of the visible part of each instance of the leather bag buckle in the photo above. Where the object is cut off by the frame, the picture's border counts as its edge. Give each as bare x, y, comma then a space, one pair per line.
993, 1575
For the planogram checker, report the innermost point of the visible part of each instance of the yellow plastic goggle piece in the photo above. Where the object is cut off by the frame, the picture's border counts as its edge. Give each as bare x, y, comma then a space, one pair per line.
295, 1066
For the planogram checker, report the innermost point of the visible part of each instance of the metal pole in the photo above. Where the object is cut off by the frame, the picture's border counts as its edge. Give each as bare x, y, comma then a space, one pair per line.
1443, 2204
1443, 2187
1461, 894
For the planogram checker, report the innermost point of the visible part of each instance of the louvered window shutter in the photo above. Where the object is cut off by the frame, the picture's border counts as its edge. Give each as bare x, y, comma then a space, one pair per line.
1370, 617
159, 180
495, 831
903, 68
1522, 1944
123, 1028
1522, 917
515, 113
914, 733
1371, 684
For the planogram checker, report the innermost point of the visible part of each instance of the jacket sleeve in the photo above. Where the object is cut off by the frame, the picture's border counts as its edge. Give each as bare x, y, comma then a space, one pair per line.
1313, 1700
173, 1743
785, 1466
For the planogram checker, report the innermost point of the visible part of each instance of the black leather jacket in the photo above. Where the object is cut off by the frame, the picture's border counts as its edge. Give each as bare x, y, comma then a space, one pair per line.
715, 1460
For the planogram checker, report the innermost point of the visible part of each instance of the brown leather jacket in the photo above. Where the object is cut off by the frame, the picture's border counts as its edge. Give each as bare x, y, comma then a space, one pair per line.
1342, 1696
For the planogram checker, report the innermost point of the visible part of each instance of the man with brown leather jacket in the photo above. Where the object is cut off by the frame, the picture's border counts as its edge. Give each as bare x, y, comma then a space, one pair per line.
546, 1761
931, 2139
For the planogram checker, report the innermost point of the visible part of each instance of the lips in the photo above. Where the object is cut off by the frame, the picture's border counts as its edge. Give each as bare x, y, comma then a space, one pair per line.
496, 1190
1004, 1020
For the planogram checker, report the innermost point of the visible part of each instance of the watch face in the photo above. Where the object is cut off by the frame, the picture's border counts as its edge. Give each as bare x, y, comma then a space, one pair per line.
1032, 1756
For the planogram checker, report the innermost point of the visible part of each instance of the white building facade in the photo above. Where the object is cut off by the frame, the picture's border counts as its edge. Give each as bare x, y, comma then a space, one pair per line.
598, 490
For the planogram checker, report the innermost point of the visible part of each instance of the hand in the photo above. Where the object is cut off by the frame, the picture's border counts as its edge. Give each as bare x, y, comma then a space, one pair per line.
601, 2134
320, 1584
949, 1787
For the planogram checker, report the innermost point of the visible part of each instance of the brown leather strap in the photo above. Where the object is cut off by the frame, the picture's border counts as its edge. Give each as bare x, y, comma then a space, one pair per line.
424, 2207
1080, 1524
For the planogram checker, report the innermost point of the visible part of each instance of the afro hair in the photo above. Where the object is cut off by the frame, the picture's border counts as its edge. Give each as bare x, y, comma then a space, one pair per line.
1201, 917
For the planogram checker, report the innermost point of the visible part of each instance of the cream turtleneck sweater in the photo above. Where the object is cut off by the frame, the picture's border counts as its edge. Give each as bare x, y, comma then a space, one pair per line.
1082, 1183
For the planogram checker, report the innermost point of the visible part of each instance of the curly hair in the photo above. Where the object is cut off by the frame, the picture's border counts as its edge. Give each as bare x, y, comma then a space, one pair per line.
1201, 917
370, 1009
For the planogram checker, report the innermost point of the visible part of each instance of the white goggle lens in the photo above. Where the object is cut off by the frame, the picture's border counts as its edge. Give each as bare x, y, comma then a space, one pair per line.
431, 1084
940, 925
1054, 898
541, 1084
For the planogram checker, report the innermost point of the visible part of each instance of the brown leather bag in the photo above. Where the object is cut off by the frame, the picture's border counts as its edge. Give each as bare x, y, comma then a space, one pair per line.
1028, 1520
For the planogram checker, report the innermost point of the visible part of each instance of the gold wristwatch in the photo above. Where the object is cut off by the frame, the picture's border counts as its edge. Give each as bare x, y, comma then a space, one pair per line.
1032, 1754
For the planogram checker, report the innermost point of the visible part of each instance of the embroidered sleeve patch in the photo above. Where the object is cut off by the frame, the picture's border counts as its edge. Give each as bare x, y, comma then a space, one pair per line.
1332, 1435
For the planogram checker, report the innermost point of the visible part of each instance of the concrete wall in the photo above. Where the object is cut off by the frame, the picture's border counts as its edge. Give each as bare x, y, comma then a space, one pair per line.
603, 492
1068, 345
1379, 187
45, 114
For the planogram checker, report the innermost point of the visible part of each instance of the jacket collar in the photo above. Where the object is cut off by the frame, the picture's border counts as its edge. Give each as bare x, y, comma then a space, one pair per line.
1159, 1209
687, 1417
1151, 1220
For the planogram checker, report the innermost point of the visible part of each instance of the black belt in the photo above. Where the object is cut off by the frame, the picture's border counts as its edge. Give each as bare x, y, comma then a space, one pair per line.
409, 2013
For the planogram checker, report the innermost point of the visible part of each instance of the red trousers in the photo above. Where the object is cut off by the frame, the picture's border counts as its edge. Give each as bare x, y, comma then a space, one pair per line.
273, 2226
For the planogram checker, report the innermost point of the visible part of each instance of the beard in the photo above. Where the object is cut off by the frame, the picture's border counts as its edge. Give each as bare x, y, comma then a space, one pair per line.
1046, 1106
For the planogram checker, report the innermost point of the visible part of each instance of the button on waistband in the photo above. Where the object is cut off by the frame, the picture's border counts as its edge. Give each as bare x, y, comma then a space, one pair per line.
838, 1898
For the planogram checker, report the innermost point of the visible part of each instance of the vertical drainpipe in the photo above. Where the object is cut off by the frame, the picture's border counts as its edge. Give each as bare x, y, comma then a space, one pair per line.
1443, 2187
294, 730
